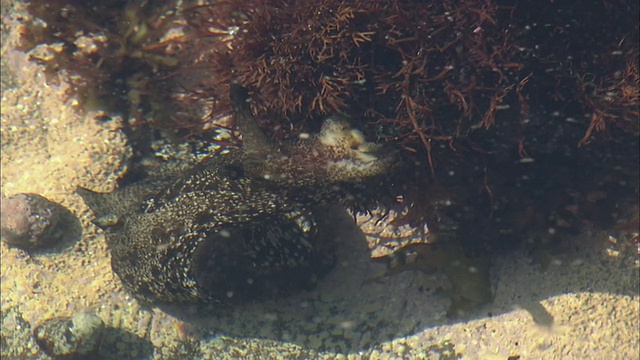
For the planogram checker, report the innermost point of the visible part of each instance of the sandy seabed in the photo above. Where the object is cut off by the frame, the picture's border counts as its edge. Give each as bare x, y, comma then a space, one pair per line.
583, 305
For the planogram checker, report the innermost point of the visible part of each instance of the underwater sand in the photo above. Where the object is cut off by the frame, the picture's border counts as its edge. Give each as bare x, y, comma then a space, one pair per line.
580, 302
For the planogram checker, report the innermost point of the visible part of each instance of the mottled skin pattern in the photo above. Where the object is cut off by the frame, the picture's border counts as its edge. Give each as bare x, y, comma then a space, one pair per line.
238, 226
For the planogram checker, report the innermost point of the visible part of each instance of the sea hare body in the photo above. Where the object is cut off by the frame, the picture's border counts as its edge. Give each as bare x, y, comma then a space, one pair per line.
238, 226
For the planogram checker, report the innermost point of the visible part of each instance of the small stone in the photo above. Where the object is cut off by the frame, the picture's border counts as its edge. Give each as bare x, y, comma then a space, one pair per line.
30, 221
70, 337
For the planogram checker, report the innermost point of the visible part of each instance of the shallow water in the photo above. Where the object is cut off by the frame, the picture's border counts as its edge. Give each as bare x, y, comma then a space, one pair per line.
578, 299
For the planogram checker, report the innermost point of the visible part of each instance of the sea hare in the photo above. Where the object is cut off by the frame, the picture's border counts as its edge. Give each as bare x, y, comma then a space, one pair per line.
239, 226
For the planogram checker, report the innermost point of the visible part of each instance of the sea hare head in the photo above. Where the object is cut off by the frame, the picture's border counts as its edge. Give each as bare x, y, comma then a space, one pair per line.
338, 154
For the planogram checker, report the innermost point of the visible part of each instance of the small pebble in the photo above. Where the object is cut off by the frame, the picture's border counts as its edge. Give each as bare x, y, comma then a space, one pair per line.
76, 337
30, 221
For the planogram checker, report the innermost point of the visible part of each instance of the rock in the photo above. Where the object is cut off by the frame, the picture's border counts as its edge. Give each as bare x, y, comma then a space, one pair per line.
15, 334
469, 276
76, 337
30, 221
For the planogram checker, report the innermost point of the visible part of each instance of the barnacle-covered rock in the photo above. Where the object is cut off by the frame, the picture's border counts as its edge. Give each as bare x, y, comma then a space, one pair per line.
76, 337
31, 221
242, 225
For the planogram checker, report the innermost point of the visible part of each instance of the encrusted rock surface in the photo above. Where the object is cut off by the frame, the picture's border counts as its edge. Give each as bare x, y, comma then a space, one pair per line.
76, 337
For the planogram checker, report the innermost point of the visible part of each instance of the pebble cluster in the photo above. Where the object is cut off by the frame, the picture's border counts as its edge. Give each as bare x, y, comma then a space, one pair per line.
71, 337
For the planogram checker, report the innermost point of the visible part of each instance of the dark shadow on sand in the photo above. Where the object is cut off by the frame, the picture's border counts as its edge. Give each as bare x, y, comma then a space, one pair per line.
347, 312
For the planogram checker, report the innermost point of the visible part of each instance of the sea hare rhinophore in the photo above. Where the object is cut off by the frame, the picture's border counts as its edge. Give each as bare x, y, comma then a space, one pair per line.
242, 225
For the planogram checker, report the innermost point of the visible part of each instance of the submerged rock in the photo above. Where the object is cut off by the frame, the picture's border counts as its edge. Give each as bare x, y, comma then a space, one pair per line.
242, 225
469, 276
16, 337
30, 221
76, 337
